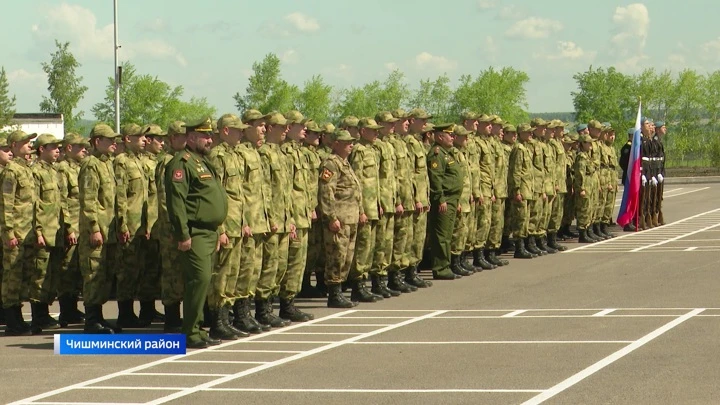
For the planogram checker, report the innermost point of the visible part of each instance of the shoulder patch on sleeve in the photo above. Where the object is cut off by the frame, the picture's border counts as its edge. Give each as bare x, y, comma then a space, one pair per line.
326, 174
178, 175
434, 164
8, 186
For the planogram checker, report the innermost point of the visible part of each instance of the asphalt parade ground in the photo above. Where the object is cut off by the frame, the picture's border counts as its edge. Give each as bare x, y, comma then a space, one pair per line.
631, 320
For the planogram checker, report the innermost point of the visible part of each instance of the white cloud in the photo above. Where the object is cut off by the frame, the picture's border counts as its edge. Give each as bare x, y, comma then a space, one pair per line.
511, 12
711, 49
290, 56
567, 50
486, 4
631, 23
22, 75
425, 60
533, 28
88, 40
302, 22
391, 66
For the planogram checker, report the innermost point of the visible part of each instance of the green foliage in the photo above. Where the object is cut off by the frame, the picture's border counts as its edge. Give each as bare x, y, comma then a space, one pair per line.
266, 90
146, 99
493, 92
65, 87
373, 97
714, 150
7, 102
315, 99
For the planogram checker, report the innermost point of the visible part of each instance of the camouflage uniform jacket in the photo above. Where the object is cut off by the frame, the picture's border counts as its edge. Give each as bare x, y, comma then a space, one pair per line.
97, 193
277, 178
314, 162
521, 172
255, 189
502, 154
69, 170
49, 204
365, 162
16, 200
464, 167
132, 193
339, 192
150, 162
299, 172
419, 173
403, 170
387, 181
486, 155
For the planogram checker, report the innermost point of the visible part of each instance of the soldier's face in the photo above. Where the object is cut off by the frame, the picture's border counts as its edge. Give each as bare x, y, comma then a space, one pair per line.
154, 144
312, 139
525, 136
496, 129
471, 125
105, 145
661, 131
586, 146
6, 155
135, 143
255, 135
460, 141
510, 137
368, 134
178, 142
297, 132
401, 126
594, 132
232, 135
354, 132
444, 139
49, 153
76, 152
22, 148
388, 128
342, 148
485, 128
201, 142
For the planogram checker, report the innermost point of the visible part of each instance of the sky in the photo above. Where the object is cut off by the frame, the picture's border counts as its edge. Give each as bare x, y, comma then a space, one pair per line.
209, 46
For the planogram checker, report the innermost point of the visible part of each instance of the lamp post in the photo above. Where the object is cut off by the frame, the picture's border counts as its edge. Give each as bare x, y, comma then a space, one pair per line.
118, 71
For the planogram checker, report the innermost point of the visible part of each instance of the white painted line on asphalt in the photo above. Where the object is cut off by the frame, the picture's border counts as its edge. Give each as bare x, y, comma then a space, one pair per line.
123, 388
374, 391
220, 362
178, 374
675, 238
167, 360
604, 312
295, 342
514, 313
687, 192
556, 316
566, 309
349, 324
299, 356
78, 403
321, 333
378, 317
587, 372
256, 351
502, 342
690, 249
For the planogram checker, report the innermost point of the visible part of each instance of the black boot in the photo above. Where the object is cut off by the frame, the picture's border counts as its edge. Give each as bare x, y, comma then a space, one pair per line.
456, 268
225, 319
69, 312
572, 234
466, 262
531, 247
320, 283
598, 233
552, 242
412, 278
218, 329
584, 238
290, 312
94, 322
629, 228
242, 320
506, 244
395, 282
127, 318
41, 318
604, 230
264, 314
520, 251
2, 314
15, 325
542, 245
173, 322
378, 287
360, 293
308, 290
479, 260
336, 299
148, 314
493, 259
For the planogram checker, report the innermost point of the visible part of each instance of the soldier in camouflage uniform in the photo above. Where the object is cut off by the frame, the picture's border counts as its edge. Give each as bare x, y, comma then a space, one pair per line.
47, 240
97, 236
417, 156
172, 282
536, 206
5, 158
508, 141
365, 163
16, 214
549, 187
327, 132
75, 147
486, 197
569, 208
612, 185
497, 220
521, 188
464, 204
223, 281
282, 223
595, 155
472, 154
131, 217
339, 195
584, 171
300, 175
351, 124
555, 132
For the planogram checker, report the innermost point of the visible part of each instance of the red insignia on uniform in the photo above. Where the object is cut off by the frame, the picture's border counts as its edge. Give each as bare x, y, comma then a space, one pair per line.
178, 175
327, 174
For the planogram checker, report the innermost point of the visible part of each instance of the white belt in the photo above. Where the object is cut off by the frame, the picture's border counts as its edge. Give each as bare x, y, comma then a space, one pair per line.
647, 159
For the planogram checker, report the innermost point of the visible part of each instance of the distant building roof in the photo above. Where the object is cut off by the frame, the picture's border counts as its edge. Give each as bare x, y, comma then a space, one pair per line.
37, 117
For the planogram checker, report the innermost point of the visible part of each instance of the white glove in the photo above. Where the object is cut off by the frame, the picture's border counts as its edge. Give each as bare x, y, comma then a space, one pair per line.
654, 181
660, 178
644, 180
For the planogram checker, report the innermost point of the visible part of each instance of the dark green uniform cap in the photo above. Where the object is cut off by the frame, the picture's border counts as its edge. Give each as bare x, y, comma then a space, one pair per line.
460, 130
205, 125
385, 116
585, 138
153, 130
176, 128
368, 123
342, 136
131, 130
524, 128
509, 128
429, 127
294, 117
348, 122
231, 121
468, 115
447, 128
71, 138
420, 114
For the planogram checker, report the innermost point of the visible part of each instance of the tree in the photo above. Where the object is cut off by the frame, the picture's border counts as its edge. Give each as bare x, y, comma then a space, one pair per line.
7, 103
266, 90
65, 87
605, 95
146, 99
493, 92
435, 97
315, 99
373, 97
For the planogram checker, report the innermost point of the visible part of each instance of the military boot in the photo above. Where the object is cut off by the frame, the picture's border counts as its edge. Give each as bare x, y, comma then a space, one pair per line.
308, 290
456, 268
336, 299
290, 312
630, 228
467, 262
479, 260
654, 219
531, 247
413, 278
491, 257
597, 230
265, 316
541, 242
69, 312
395, 282
15, 325
604, 229
552, 242
520, 251
218, 329
661, 219
445, 274
2, 314
584, 238
94, 324
572, 234
377, 286
148, 314
360, 293
648, 221
127, 318
173, 322
224, 314
320, 283
589, 234
242, 320
506, 244
41, 318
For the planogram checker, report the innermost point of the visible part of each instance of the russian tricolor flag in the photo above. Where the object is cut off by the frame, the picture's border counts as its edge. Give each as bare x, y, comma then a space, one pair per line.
631, 194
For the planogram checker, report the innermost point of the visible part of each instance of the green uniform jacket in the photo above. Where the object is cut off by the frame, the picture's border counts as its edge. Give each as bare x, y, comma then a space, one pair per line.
195, 198
560, 166
97, 197
277, 177
538, 165
132, 193
162, 225
314, 162
230, 174
418, 170
583, 171
612, 162
69, 170
472, 153
16, 200
502, 156
365, 162
446, 180
256, 189
487, 167
570, 170
521, 172
299, 172
403, 173
49, 203
150, 162
550, 160
459, 155
388, 186
339, 192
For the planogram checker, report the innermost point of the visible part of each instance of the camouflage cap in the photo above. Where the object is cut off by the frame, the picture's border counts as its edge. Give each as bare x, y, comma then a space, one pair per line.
659, 124
484, 118
565, 132
552, 124
342, 136
460, 130
400, 113
275, 118
538, 122
252, 115
429, 127
385, 116
420, 114
468, 115
3, 141
509, 128
645, 119
103, 131
594, 124
312, 126
46, 139
328, 128
567, 139
496, 120
368, 123
19, 136
153, 130
524, 128
131, 130
585, 138
574, 136
204, 125
347, 122
231, 121
447, 128
294, 117
71, 138
176, 128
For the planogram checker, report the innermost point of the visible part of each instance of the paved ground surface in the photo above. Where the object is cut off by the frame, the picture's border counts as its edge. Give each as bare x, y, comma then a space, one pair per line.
633, 320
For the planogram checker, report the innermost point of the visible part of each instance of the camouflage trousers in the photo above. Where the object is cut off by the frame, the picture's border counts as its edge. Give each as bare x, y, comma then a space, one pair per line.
225, 274
556, 215
149, 284
583, 211
458, 242
130, 261
601, 199
519, 219
97, 271
547, 212
251, 261
44, 267
172, 281
471, 228
497, 224
607, 214
364, 246
383, 244
288, 284
593, 197
506, 226
483, 216
536, 208
568, 209
274, 261
315, 256
403, 227
417, 238
15, 276
339, 252
68, 272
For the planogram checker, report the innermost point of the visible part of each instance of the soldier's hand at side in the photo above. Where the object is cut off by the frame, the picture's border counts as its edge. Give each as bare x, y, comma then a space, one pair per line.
582, 193
273, 228
399, 210
223, 239
544, 197
418, 207
381, 211
12, 243
518, 197
71, 239
184, 246
293, 235
247, 232
96, 239
147, 235
363, 219
442, 208
459, 208
41, 241
334, 226
293, 228
124, 237
493, 199
313, 215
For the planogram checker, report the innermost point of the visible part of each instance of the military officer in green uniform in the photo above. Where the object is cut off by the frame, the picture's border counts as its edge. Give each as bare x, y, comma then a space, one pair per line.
197, 206
446, 185
464, 206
